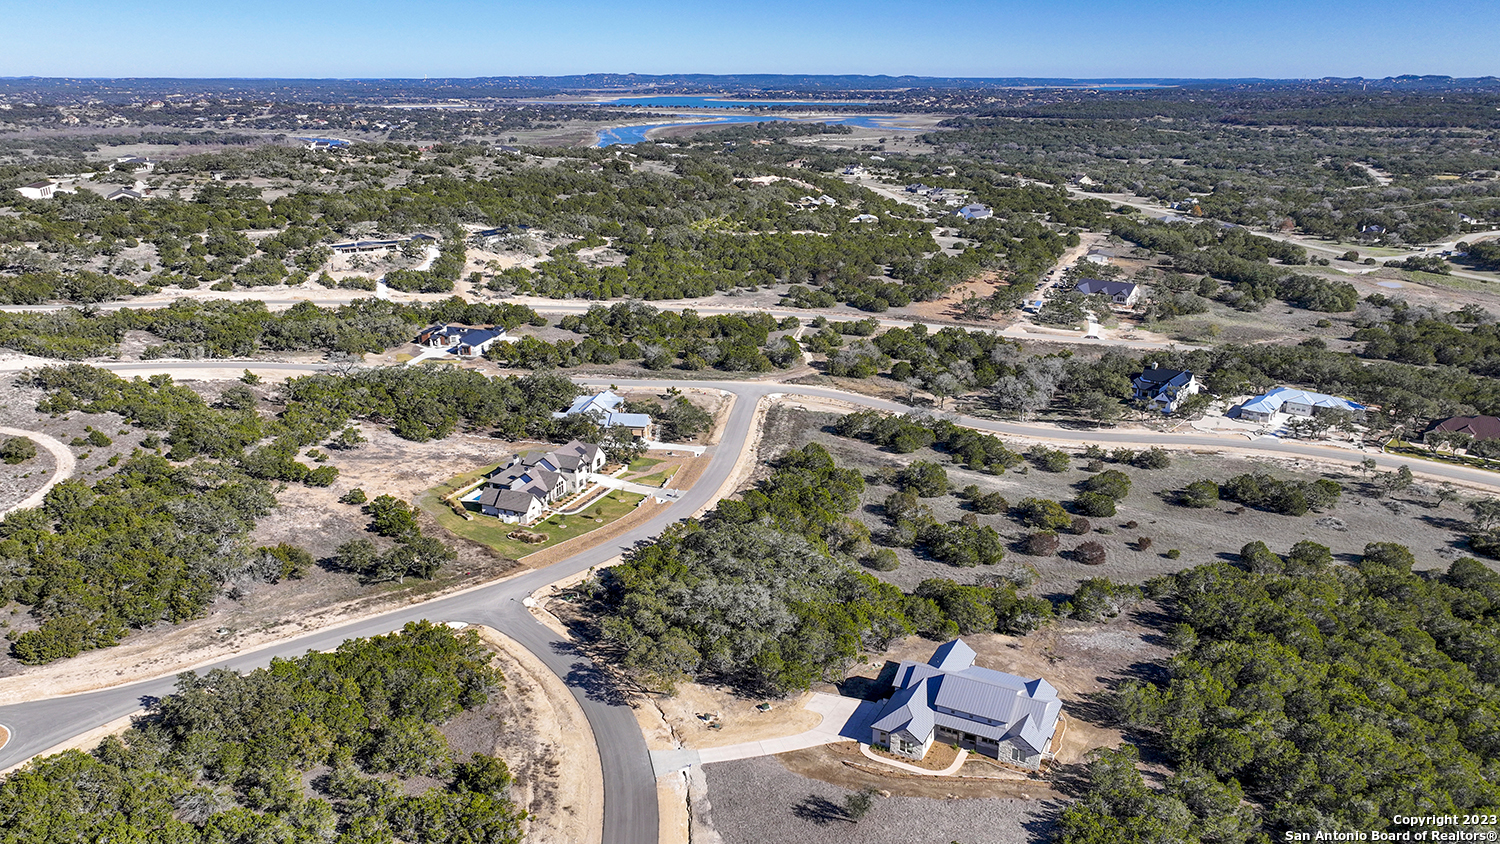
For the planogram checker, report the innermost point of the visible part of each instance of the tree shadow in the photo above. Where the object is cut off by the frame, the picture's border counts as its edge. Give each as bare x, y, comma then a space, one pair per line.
1043, 825
586, 676
871, 688
1446, 523
1072, 780
820, 810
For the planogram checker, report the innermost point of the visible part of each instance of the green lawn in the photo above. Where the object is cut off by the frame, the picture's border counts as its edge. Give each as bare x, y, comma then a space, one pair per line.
658, 479
1440, 280
641, 464
492, 532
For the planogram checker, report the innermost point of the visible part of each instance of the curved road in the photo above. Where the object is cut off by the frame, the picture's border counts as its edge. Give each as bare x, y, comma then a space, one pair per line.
60, 452
630, 807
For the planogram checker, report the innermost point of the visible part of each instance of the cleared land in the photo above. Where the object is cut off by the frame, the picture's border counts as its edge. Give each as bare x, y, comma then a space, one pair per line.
761, 801
1414, 517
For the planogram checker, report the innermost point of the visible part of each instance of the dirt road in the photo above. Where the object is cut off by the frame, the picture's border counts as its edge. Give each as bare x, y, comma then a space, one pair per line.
60, 452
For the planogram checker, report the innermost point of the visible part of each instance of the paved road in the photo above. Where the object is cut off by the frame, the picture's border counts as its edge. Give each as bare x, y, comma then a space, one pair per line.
630, 814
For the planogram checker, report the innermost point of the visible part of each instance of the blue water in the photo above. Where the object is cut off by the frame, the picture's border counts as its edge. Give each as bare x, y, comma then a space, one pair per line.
714, 102
637, 134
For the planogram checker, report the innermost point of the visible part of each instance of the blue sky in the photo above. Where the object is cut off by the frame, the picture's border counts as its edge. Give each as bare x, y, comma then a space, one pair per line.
1065, 38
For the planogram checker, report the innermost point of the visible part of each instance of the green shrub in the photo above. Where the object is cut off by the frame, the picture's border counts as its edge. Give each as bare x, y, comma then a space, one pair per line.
17, 450
923, 478
1042, 513
1113, 483
1202, 493
1094, 504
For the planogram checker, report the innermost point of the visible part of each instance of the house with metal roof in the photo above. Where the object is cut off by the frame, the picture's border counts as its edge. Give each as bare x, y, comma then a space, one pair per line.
951, 700
604, 408
1164, 388
1122, 293
1294, 403
461, 340
974, 211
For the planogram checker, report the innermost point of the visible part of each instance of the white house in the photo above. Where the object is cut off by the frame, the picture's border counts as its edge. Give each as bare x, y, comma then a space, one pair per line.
1164, 388
974, 211
1121, 293
143, 165
461, 340
520, 490
603, 407
39, 190
511, 506
137, 192
948, 699
865, 218
1294, 403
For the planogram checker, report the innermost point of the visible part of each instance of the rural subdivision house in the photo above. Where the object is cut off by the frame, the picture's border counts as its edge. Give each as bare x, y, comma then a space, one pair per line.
1121, 293
1294, 403
462, 340
1478, 427
38, 190
1164, 388
604, 408
974, 211
950, 700
520, 490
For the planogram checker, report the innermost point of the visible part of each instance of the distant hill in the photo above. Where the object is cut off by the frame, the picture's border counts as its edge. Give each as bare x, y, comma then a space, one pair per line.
334, 90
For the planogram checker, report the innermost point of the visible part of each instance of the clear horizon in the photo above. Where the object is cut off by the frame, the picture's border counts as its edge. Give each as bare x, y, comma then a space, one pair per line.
1069, 39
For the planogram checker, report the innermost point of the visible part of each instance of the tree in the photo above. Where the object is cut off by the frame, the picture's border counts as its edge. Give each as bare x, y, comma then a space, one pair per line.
923, 478
1204, 493
1043, 514
1486, 512
1393, 482
349, 438
1042, 543
1307, 557
1112, 483
1155, 457
858, 804
1094, 504
1050, 459
1256, 557
392, 517
1091, 553
17, 450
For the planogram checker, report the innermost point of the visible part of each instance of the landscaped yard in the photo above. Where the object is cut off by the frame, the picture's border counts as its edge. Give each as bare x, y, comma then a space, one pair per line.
490, 531
641, 464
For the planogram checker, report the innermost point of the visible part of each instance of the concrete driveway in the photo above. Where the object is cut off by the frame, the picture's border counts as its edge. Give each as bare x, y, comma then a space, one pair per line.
844, 719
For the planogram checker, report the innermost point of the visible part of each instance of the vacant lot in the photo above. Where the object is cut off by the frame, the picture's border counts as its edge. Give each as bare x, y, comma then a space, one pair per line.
1413, 518
760, 801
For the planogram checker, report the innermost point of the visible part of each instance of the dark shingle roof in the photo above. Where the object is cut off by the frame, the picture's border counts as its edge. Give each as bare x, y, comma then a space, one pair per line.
1480, 427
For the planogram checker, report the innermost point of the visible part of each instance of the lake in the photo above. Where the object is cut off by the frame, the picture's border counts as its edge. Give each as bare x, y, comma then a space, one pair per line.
714, 102
637, 134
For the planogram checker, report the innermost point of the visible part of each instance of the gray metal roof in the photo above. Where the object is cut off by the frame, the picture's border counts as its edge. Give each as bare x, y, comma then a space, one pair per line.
908, 710
952, 656
1090, 286
970, 699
